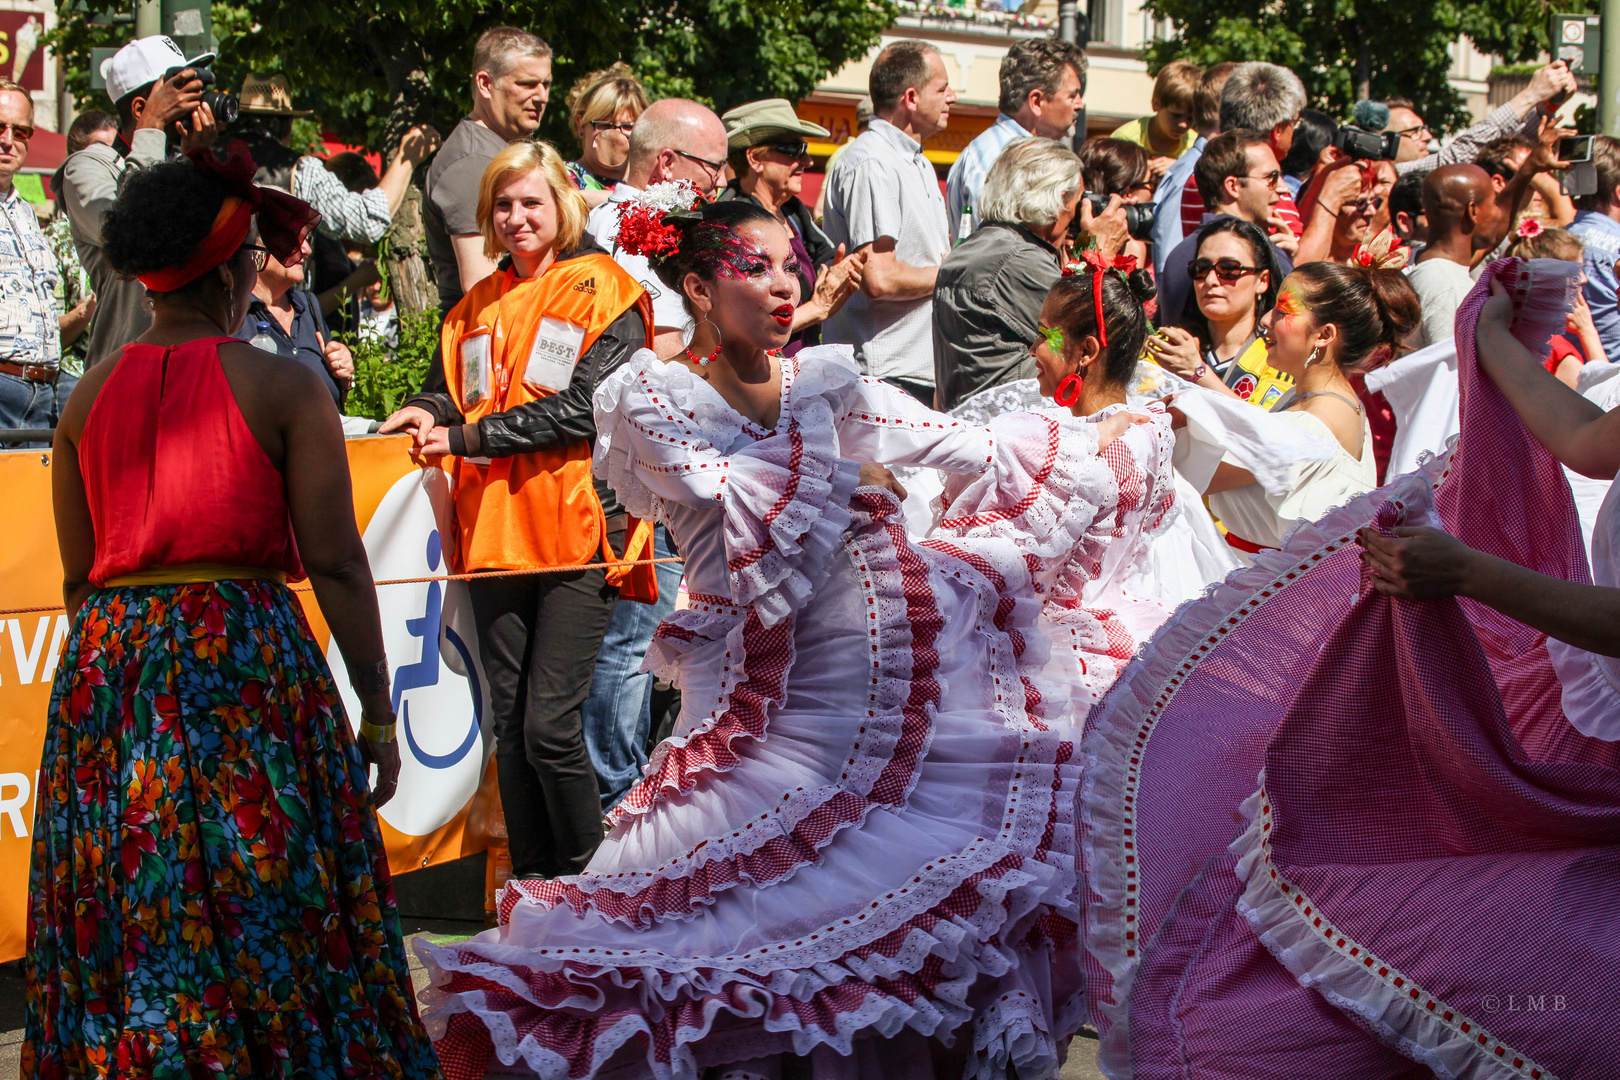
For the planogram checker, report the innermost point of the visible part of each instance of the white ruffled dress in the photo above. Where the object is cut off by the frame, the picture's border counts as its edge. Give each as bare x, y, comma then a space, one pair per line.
859, 845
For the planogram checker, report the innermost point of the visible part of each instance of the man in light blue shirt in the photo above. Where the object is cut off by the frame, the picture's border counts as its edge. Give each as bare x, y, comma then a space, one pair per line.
1042, 91
1597, 224
1167, 204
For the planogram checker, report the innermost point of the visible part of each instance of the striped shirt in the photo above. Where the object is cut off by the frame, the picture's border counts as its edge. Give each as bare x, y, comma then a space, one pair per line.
966, 178
361, 216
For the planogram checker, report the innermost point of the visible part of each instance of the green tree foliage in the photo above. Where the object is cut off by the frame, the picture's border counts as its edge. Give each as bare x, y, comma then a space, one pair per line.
371, 68
1344, 50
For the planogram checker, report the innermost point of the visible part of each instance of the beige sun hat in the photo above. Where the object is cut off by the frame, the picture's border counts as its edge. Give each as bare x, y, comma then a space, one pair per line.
760, 121
268, 95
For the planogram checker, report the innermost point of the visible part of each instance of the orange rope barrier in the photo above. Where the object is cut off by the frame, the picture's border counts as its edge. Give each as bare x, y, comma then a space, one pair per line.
437, 577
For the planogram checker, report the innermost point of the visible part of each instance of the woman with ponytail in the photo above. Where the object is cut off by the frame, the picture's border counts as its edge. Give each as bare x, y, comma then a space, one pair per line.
1331, 322
857, 846
1100, 599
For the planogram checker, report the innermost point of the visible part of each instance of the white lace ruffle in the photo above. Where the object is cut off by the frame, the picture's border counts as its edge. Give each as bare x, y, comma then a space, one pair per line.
1044, 488
785, 990
1321, 958
1119, 731
784, 495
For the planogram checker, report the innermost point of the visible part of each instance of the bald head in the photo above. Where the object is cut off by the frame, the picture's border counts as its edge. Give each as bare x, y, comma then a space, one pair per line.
665, 134
1458, 199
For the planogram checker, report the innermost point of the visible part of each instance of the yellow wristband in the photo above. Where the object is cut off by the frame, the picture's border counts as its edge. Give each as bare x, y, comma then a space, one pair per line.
377, 733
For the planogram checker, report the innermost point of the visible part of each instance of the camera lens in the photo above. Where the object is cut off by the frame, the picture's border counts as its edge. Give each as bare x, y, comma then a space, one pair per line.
224, 106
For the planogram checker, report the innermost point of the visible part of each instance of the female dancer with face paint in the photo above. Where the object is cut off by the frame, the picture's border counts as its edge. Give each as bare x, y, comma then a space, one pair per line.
1330, 322
858, 846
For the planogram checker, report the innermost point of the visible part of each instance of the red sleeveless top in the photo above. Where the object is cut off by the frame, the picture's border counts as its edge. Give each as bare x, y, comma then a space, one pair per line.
173, 474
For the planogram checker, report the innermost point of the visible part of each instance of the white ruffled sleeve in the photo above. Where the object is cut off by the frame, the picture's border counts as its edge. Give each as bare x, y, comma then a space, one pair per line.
885, 426
1046, 485
784, 497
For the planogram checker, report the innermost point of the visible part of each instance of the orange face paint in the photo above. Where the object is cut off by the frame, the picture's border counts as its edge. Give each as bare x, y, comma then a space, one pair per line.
1289, 304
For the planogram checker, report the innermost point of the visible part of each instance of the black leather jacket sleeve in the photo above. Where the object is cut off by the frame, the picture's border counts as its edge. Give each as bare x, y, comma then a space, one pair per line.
559, 419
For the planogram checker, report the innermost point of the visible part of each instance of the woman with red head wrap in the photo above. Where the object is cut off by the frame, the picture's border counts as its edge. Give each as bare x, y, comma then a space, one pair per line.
209, 892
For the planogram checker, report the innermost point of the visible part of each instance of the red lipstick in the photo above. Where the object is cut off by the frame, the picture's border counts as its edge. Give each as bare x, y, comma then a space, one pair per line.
783, 315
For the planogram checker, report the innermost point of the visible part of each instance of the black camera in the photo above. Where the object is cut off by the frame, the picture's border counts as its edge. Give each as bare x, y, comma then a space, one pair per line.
1364, 145
1138, 216
225, 107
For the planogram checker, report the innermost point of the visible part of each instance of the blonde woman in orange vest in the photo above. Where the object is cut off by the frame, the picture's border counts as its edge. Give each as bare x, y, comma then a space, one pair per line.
523, 353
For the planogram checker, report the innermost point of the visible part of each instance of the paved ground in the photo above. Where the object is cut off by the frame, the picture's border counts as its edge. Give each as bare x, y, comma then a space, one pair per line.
1080, 1065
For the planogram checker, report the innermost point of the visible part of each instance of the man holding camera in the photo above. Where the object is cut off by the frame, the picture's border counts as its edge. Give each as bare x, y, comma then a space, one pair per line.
1549, 86
989, 292
159, 95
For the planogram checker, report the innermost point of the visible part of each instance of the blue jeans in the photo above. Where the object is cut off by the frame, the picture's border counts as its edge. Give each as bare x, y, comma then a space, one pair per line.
25, 404
618, 713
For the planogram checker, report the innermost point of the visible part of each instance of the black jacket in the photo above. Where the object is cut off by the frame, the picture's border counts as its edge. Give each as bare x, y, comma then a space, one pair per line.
553, 421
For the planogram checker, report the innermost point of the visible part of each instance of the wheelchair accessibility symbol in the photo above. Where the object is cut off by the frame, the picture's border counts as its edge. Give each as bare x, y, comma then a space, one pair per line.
438, 691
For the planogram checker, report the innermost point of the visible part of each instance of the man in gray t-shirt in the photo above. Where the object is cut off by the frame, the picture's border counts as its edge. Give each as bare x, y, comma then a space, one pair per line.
511, 82
883, 197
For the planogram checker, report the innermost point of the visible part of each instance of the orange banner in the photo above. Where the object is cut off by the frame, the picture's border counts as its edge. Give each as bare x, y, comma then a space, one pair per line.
402, 509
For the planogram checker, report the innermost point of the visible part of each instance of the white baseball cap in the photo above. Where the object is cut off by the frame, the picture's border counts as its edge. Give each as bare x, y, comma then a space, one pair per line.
143, 62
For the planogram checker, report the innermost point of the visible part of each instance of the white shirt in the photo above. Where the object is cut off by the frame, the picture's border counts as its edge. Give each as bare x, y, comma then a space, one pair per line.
1441, 285
669, 310
884, 186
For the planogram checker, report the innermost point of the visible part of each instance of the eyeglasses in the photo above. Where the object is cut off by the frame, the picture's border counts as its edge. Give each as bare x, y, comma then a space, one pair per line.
1270, 179
714, 167
1227, 271
1413, 132
261, 255
791, 149
20, 132
608, 125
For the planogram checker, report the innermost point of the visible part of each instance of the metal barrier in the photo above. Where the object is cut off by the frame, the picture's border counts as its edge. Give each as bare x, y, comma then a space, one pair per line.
27, 434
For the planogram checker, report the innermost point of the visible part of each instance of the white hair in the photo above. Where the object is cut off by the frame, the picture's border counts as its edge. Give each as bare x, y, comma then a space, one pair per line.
1029, 183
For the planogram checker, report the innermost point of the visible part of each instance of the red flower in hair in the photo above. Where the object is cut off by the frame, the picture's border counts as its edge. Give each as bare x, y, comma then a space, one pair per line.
1530, 227
643, 231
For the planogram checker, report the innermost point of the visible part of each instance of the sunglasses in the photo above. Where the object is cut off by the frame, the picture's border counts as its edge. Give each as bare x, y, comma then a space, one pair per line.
608, 125
714, 167
1270, 179
791, 149
1227, 271
261, 255
20, 132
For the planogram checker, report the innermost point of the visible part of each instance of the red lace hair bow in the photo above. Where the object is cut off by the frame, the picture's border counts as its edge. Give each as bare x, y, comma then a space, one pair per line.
1100, 264
284, 221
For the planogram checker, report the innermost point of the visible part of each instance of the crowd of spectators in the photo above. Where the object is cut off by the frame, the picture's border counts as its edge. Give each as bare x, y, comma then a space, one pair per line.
1285, 268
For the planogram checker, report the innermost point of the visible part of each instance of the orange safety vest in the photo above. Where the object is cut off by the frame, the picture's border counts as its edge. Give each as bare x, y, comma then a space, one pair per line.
511, 341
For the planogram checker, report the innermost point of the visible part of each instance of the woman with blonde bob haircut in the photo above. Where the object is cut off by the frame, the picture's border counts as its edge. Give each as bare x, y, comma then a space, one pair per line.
523, 353
602, 108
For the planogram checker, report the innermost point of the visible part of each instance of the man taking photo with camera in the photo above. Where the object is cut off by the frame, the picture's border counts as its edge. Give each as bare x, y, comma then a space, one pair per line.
159, 98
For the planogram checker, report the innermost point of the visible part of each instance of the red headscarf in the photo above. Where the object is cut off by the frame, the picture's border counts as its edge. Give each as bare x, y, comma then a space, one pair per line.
284, 221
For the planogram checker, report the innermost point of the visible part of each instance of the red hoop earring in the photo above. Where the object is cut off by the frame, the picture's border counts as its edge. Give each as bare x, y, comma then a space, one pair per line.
1067, 393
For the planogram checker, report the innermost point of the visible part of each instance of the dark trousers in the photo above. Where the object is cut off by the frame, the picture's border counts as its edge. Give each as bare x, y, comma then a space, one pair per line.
539, 637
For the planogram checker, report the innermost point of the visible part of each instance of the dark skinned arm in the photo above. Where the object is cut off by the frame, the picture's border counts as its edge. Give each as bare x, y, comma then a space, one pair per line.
319, 501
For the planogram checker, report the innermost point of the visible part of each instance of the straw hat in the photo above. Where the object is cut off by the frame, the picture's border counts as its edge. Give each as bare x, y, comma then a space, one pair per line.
760, 121
269, 95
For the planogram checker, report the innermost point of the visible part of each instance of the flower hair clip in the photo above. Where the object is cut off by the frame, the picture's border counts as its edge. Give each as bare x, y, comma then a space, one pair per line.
1100, 264
1529, 228
1382, 252
649, 224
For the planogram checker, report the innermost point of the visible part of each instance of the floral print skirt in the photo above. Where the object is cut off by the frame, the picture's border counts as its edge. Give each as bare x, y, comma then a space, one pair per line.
209, 893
